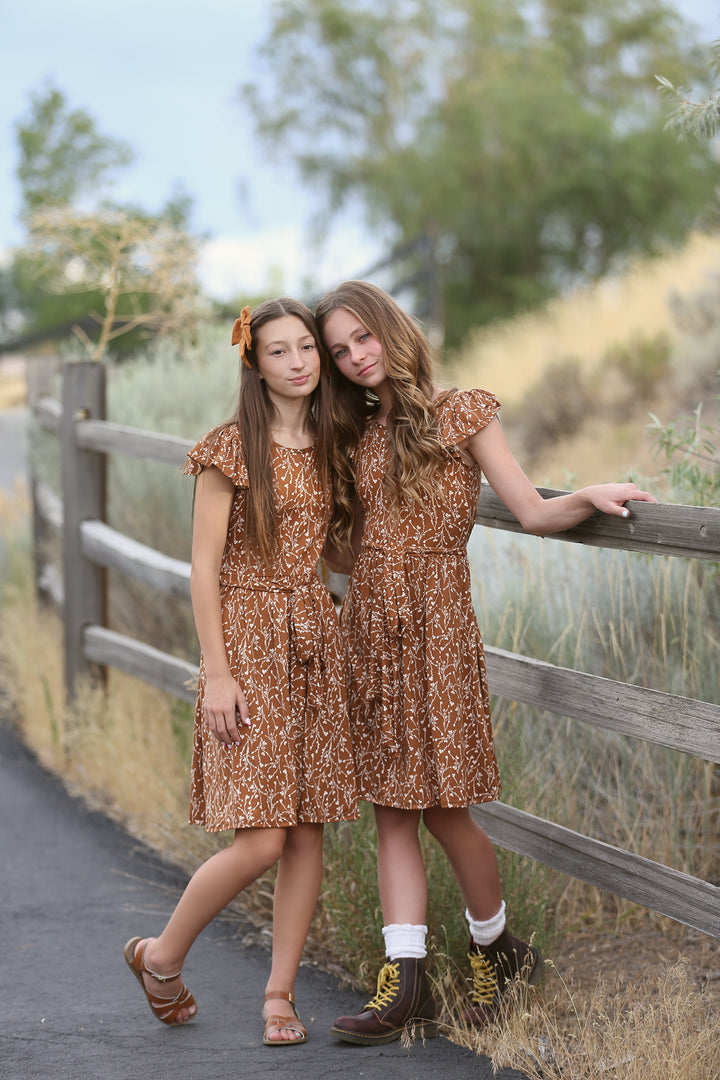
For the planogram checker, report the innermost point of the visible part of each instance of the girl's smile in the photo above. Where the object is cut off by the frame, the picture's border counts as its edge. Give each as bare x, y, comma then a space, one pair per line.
357, 354
287, 357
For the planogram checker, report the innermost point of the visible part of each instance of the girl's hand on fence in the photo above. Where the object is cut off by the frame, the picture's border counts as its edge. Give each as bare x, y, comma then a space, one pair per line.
225, 709
610, 498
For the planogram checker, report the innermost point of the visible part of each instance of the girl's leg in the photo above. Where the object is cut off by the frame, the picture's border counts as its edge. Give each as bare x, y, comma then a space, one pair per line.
401, 872
472, 857
211, 888
496, 957
403, 992
297, 889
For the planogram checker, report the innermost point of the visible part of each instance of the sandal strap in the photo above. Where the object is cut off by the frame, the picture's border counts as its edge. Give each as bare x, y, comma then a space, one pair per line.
283, 995
149, 971
277, 1023
167, 1008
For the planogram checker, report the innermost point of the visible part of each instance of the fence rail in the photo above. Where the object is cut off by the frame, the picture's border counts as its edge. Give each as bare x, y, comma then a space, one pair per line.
90, 547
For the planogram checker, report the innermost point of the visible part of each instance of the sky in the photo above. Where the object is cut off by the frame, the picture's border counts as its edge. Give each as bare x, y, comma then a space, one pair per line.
163, 77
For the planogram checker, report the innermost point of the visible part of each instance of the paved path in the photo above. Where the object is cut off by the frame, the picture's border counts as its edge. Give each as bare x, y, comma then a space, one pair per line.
73, 888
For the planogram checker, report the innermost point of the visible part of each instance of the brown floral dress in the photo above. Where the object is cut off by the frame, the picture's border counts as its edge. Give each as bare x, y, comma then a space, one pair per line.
418, 689
294, 764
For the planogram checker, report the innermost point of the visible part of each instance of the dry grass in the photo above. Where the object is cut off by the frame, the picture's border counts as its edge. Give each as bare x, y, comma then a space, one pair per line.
672, 300
510, 356
640, 1007
13, 388
116, 748
664, 1027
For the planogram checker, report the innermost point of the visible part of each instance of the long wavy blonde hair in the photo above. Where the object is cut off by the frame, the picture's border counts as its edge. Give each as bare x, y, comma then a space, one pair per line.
255, 416
416, 458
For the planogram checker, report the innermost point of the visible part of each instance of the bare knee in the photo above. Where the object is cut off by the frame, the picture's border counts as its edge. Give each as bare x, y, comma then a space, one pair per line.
443, 821
396, 827
304, 840
266, 844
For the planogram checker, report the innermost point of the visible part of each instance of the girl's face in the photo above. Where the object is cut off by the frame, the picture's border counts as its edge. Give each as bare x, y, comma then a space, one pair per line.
356, 353
287, 358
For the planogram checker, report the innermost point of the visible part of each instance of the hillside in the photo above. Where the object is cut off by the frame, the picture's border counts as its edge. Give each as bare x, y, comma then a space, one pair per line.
579, 378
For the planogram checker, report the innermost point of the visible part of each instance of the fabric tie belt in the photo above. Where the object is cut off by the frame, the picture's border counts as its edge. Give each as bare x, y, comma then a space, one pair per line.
303, 625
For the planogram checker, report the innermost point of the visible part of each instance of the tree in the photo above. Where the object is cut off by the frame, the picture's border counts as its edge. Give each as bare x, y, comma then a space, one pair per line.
109, 273
63, 156
134, 270
527, 137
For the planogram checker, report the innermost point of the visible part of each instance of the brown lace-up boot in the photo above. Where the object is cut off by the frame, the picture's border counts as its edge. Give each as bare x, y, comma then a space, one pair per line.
403, 998
494, 967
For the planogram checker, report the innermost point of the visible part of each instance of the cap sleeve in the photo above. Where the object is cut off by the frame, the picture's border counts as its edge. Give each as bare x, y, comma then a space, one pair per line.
222, 448
464, 413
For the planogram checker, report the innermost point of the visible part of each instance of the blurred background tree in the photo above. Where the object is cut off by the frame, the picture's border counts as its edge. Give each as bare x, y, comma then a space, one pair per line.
110, 273
525, 140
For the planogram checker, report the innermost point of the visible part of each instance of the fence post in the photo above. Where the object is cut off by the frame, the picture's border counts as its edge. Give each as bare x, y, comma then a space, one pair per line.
40, 373
84, 498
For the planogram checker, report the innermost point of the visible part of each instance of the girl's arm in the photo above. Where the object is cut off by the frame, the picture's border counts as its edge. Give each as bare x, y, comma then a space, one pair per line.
540, 516
213, 501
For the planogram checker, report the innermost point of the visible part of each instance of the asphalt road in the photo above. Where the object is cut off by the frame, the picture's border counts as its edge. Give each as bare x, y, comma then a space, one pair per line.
73, 888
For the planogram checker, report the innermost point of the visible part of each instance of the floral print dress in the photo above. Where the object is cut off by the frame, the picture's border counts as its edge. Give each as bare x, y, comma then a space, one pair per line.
294, 763
419, 706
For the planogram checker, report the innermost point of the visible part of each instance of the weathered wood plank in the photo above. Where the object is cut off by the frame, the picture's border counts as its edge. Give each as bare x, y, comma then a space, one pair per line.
659, 528
110, 438
158, 668
50, 586
48, 413
686, 899
679, 723
49, 505
107, 547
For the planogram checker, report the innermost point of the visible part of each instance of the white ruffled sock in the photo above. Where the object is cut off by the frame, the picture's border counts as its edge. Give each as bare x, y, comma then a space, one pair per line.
404, 939
484, 933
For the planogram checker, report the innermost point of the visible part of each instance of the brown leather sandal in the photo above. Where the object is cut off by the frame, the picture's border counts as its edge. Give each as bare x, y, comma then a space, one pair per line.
164, 1009
277, 1023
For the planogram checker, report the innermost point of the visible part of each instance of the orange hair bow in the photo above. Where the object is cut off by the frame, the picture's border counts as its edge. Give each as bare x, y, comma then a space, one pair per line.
242, 336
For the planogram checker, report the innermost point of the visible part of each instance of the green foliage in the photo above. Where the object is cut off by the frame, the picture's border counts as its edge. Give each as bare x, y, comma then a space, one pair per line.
699, 119
63, 156
692, 450
110, 274
139, 270
526, 138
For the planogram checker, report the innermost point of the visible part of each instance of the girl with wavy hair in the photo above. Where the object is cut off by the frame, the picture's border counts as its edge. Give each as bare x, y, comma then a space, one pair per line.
409, 460
272, 757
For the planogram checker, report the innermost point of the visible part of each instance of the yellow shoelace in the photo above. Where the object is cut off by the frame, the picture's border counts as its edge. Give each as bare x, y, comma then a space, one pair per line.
485, 984
388, 985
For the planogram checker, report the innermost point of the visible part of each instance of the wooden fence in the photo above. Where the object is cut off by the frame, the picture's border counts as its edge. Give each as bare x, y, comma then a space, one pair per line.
90, 546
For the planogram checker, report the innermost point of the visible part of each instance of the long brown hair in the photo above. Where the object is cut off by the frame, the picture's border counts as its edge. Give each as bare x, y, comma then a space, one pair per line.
416, 458
254, 417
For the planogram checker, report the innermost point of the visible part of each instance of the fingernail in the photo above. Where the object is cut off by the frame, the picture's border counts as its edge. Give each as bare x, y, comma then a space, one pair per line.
626, 513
